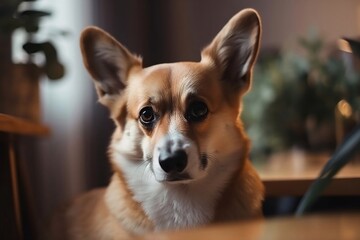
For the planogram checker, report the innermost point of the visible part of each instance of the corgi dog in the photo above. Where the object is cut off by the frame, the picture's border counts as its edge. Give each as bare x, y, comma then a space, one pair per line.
179, 151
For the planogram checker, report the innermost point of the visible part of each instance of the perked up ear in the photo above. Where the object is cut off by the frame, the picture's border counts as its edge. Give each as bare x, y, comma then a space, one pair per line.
108, 62
235, 49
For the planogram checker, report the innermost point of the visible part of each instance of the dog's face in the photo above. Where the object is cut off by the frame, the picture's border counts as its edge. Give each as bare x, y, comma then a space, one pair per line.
181, 119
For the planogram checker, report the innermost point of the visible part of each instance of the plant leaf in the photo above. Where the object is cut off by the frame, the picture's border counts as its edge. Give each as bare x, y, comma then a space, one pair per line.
342, 156
33, 13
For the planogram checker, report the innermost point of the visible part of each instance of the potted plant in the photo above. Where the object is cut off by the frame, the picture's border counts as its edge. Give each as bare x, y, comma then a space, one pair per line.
19, 82
295, 96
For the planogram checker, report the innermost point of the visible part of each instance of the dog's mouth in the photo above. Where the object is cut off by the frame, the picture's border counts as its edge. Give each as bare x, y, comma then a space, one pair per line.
180, 174
177, 159
177, 177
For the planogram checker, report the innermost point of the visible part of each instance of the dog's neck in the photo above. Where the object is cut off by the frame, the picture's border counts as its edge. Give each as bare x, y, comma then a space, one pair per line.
167, 206
122, 206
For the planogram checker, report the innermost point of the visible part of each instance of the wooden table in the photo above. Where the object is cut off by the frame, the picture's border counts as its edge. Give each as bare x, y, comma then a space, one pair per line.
10, 127
291, 173
333, 226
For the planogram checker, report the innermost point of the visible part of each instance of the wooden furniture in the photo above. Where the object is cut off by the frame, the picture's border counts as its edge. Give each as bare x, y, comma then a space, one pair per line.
291, 173
10, 128
330, 226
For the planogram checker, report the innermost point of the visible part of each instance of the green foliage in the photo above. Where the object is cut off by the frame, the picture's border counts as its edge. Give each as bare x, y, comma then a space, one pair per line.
7, 21
24, 14
291, 92
340, 158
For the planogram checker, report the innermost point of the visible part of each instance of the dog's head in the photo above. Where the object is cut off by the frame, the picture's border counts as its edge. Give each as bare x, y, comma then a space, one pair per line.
182, 119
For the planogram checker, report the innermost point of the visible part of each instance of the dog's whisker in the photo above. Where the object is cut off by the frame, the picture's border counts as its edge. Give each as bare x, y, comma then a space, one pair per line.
210, 157
142, 168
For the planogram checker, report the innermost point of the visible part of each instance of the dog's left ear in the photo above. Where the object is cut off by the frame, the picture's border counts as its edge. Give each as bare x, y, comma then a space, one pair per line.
108, 62
235, 49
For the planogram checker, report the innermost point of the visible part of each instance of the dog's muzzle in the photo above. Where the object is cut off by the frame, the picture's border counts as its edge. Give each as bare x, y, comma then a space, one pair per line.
176, 159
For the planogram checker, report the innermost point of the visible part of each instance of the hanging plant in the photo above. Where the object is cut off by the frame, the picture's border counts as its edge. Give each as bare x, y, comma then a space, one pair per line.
28, 15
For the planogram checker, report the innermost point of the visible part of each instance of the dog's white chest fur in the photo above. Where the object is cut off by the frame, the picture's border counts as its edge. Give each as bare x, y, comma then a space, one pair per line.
169, 206
175, 207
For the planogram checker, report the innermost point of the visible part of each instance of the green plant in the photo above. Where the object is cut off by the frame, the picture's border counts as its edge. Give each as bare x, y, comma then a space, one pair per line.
340, 158
26, 14
294, 96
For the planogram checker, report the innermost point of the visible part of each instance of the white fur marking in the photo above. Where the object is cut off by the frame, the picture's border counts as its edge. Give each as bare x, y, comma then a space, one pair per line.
249, 45
169, 206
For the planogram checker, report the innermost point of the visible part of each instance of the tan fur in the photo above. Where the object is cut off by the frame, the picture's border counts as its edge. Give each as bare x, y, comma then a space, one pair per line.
221, 78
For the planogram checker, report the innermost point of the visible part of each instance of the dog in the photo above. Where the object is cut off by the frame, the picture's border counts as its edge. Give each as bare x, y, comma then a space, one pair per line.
179, 151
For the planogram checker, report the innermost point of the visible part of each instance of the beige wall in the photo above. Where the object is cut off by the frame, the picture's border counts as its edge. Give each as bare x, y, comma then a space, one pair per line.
193, 23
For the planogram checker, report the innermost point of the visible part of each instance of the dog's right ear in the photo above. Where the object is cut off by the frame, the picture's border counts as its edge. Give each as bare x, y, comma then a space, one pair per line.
235, 48
108, 62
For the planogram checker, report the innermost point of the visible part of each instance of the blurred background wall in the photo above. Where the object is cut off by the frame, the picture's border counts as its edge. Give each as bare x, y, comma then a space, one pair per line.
73, 159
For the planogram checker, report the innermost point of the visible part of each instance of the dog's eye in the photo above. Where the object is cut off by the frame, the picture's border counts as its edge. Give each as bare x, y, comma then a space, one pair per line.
147, 116
197, 111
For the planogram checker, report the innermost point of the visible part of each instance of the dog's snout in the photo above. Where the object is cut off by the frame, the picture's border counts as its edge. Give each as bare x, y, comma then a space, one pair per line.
173, 162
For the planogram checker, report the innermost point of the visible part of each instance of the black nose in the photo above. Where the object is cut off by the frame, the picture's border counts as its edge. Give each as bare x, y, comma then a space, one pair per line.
173, 162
